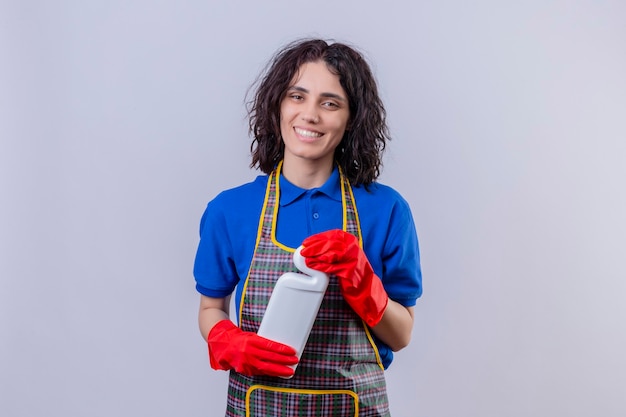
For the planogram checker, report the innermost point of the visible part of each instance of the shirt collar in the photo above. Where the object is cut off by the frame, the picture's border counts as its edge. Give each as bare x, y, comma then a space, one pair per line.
290, 193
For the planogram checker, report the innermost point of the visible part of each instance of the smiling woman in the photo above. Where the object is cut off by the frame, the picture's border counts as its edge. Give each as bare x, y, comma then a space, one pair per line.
314, 115
319, 130
366, 135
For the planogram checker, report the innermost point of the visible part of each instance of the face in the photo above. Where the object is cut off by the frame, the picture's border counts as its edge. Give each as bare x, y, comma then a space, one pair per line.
313, 116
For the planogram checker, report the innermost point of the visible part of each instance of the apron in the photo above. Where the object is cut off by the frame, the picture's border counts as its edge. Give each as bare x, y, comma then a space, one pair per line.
340, 373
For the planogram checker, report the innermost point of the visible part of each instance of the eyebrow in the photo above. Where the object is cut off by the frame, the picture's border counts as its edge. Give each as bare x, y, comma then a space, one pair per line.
328, 95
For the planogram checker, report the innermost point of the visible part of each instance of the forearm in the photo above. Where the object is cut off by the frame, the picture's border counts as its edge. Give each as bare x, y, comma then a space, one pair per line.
396, 326
212, 310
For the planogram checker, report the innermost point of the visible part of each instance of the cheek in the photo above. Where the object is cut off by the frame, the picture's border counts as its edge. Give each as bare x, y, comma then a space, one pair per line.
340, 127
283, 118
340, 122
286, 111
284, 129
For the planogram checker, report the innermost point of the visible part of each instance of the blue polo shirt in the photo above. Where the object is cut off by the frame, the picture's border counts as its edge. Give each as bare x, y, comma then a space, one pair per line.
228, 230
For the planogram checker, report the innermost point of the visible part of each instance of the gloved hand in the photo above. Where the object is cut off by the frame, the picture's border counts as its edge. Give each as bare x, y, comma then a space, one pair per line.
247, 353
338, 253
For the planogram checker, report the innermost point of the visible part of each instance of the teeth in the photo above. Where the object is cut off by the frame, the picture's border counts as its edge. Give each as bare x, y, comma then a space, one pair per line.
308, 133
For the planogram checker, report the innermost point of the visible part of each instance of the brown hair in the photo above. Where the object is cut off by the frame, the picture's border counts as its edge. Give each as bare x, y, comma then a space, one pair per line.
360, 152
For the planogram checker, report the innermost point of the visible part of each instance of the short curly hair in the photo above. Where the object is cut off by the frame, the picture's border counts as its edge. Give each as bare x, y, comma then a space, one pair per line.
359, 153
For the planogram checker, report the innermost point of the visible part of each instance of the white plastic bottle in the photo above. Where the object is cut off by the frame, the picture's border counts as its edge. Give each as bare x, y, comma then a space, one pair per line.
293, 306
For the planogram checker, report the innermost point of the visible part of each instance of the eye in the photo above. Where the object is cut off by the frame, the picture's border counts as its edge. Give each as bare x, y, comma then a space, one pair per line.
296, 96
330, 104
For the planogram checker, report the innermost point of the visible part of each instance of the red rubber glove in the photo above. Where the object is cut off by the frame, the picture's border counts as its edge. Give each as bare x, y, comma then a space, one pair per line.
338, 253
247, 353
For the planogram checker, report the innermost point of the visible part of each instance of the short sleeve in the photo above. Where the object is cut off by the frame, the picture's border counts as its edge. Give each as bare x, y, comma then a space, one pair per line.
214, 267
402, 275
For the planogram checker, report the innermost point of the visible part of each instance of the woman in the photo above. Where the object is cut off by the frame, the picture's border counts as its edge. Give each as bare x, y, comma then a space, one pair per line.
319, 132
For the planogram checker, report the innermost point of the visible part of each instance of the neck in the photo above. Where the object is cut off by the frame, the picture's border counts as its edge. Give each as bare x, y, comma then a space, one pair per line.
306, 175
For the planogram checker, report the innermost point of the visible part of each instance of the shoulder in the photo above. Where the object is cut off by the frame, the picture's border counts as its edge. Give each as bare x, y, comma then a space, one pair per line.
385, 215
380, 197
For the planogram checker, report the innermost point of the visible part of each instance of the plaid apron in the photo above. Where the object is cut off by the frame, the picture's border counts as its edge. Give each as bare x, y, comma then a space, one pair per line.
340, 373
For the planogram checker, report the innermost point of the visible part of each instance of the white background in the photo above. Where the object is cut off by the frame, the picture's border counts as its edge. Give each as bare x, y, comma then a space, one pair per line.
120, 120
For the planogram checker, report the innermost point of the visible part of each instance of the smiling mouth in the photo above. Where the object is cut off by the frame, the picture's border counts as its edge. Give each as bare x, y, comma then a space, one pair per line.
307, 133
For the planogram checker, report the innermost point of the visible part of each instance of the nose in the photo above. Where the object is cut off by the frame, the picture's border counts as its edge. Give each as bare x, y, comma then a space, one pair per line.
311, 119
310, 114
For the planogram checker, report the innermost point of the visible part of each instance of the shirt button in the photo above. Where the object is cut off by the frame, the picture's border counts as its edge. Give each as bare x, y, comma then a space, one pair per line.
316, 216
